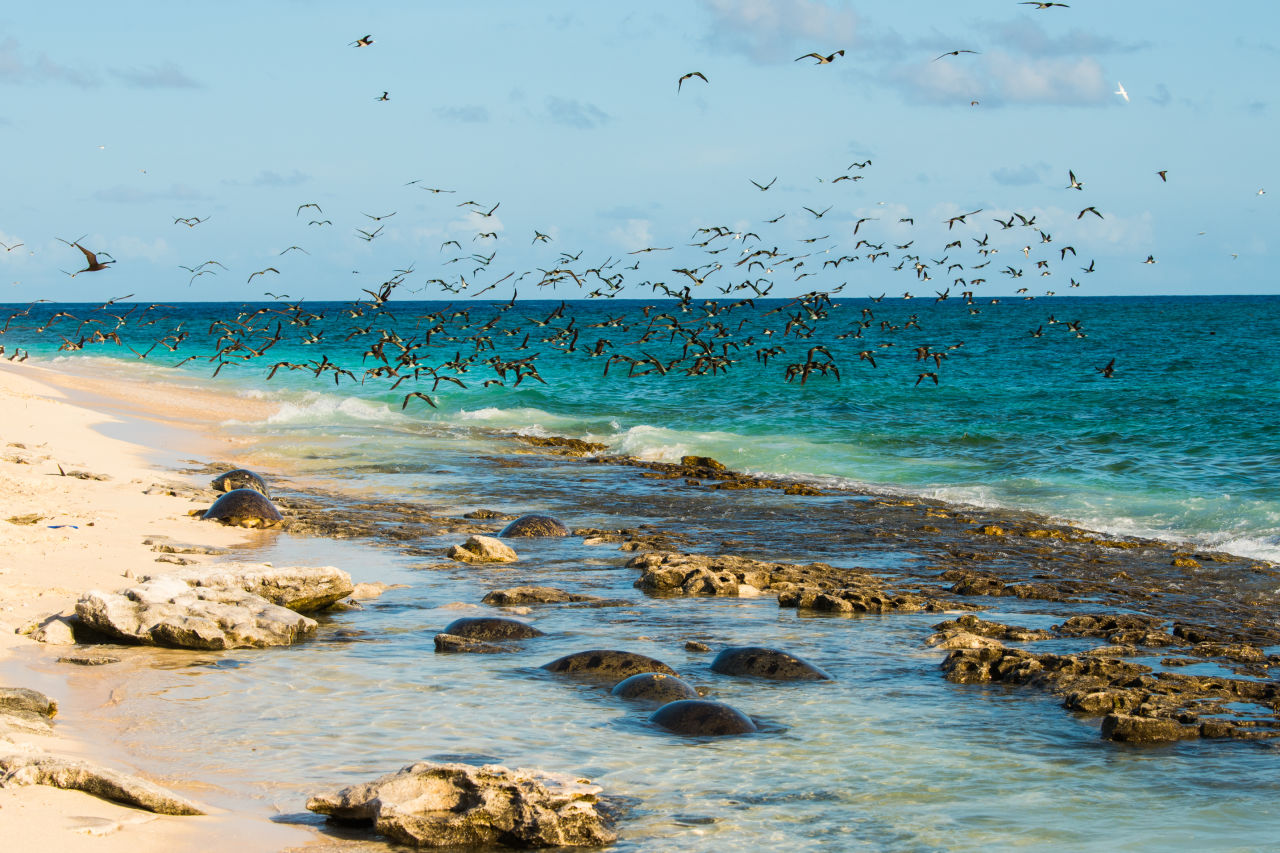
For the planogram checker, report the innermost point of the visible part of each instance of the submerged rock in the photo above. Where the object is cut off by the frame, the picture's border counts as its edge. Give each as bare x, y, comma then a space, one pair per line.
244, 508
461, 805
482, 549
58, 772
606, 664
466, 645
169, 612
517, 595
491, 628
758, 662
702, 717
241, 478
534, 525
656, 688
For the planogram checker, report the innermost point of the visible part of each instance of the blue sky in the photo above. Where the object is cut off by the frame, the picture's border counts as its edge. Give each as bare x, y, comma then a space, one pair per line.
116, 119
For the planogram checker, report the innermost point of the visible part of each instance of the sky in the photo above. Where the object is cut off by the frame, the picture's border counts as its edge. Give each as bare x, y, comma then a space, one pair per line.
567, 119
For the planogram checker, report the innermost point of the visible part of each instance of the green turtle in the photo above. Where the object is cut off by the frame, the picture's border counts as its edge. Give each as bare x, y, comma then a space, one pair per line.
241, 478
534, 525
244, 508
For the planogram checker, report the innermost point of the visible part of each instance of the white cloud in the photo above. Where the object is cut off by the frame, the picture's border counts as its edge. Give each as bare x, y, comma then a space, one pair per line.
633, 235
772, 30
997, 78
165, 76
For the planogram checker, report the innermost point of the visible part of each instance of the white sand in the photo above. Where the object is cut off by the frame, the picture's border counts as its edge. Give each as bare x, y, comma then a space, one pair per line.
61, 536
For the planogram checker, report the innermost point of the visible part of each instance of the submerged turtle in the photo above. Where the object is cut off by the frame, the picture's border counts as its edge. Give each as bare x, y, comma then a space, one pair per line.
534, 525
241, 478
702, 717
244, 508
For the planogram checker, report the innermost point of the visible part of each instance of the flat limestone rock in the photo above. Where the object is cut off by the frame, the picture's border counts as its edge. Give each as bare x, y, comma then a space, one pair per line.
483, 549
169, 612
99, 781
461, 805
299, 588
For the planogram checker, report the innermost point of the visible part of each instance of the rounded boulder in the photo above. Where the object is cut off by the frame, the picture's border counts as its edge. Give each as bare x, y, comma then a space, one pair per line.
757, 662
241, 478
656, 688
702, 717
534, 525
243, 508
606, 665
491, 628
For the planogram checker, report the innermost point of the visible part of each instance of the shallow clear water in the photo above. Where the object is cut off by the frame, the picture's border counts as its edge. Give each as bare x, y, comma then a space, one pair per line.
889, 756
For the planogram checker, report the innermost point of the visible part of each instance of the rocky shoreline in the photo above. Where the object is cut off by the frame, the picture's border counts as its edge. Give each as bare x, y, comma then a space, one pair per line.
1119, 602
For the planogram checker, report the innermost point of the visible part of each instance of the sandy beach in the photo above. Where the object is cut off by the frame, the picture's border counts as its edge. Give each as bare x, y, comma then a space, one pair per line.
79, 501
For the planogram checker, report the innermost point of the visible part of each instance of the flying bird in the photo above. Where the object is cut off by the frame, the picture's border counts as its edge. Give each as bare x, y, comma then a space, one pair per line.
822, 60
1089, 209
383, 97
1040, 5
1109, 370
362, 42
953, 53
94, 265
1074, 184
763, 187
697, 74
419, 395
1122, 93
262, 272
1163, 173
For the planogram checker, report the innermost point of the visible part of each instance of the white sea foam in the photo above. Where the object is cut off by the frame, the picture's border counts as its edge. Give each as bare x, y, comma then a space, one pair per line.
313, 408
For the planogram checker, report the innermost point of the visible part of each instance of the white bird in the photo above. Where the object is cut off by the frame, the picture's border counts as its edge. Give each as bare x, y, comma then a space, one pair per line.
1122, 93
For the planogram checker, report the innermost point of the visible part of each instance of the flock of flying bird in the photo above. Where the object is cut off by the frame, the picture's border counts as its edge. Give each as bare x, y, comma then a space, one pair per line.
708, 320
680, 335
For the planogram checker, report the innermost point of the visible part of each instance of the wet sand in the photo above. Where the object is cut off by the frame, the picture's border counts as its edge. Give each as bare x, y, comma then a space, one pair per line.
82, 491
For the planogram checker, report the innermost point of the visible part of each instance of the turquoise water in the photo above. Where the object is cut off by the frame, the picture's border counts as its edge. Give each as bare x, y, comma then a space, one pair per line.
1181, 443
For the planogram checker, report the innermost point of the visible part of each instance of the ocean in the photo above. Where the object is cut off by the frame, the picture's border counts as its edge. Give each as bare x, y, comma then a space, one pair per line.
1179, 442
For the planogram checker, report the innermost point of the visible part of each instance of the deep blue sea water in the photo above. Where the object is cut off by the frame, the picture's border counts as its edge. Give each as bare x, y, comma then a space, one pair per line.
1182, 442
